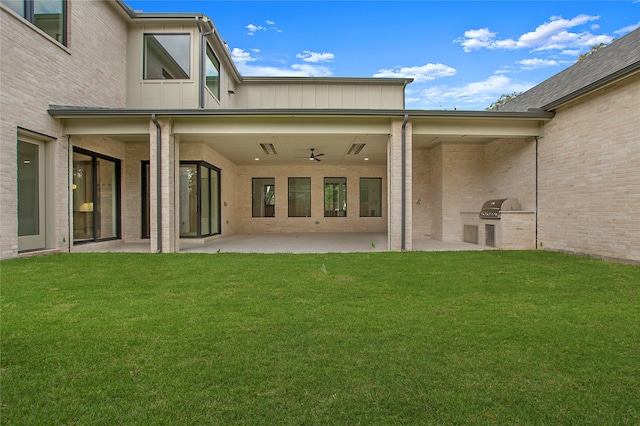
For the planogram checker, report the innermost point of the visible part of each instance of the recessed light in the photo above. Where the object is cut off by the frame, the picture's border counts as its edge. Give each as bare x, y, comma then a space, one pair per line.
257, 159
366, 159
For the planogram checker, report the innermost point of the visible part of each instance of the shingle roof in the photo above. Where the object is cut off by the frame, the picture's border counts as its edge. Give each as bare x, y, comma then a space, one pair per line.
621, 56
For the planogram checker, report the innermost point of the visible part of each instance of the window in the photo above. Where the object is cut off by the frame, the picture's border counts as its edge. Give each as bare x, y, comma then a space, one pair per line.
370, 197
48, 15
335, 197
300, 197
167, 56
264, 197
96, 197
213, 73
199, 200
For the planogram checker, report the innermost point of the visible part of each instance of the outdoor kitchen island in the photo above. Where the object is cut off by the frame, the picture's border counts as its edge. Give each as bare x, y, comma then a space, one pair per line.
500, 224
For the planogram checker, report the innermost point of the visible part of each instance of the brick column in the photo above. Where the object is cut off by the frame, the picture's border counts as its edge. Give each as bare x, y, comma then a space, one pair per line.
169, 164
394, 187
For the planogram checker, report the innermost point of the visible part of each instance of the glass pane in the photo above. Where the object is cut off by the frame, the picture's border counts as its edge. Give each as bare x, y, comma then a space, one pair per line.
49, 17
335, 197
167, 56
28, 189
213, 73
105, 208
264, 197
370, 197
299, 197
188, 201
82, 197
16, 5
205, 202
215, 202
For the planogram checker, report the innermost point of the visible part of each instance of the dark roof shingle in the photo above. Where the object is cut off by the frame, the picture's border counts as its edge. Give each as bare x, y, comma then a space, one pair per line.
620, 56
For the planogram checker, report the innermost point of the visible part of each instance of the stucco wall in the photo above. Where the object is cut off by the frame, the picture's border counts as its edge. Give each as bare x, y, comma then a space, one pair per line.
589, 175
89, 71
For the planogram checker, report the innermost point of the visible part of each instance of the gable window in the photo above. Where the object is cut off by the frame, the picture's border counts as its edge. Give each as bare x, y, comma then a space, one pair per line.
48, 15
264, 197
370, 197
167, 56
299, 197
335, 197
213, 73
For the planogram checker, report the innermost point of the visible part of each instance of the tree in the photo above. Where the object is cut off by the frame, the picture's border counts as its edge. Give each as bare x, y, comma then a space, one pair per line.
503, 99
593, 49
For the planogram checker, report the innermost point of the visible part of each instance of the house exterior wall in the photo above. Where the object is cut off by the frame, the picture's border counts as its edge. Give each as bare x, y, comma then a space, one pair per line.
177, 93
589, 179
318, 95
423, 188
89, 71
281, 223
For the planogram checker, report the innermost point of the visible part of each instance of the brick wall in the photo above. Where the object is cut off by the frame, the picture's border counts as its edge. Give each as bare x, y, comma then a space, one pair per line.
90, 71
281, 223
589, 175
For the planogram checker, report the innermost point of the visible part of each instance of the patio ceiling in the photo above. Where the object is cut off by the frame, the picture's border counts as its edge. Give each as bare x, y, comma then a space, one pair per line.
239, 138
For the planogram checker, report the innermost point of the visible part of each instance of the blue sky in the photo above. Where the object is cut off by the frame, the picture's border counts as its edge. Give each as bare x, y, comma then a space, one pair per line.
462, 54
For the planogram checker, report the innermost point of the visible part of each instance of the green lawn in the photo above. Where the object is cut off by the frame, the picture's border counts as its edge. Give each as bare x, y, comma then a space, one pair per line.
491, 337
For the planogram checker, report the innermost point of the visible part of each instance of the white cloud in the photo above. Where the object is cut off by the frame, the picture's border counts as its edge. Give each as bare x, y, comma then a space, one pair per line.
295, 70
254, 28
315, 57
625, 30
536, 63
552, 35
270, 22
419, 73
477, 95
242, 56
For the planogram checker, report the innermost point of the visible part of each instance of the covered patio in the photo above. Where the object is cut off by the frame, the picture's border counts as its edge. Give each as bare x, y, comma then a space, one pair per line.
285, 243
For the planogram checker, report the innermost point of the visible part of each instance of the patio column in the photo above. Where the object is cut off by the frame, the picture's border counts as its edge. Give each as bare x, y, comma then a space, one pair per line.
395, 181
167, 240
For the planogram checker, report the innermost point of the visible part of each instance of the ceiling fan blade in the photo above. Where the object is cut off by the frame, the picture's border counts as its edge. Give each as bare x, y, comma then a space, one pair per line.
317, 159
318, 155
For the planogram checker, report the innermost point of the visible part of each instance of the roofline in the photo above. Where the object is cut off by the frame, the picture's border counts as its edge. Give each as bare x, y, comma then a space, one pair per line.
58, 111
352, 80
156, 15
605, 81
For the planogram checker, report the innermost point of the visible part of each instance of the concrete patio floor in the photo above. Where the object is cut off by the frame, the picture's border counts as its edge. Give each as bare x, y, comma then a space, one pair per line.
285, 243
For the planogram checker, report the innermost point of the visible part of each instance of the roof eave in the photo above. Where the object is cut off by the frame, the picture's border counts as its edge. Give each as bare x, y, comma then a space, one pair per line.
610, 79
58, 111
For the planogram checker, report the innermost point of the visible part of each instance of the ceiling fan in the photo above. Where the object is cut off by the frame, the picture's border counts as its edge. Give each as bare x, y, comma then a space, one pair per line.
313, 155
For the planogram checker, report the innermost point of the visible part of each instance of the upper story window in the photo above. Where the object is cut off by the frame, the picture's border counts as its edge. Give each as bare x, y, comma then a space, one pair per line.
167, 56
48, 15
213, 73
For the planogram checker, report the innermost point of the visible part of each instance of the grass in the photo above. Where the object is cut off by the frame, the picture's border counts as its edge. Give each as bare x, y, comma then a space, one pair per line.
380, 338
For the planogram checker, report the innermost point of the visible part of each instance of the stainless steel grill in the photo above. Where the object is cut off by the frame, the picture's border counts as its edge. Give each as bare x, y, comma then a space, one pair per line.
491, 209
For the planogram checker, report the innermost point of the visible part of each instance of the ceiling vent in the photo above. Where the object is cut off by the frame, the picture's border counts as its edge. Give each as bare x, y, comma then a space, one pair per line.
268, 148
355, 149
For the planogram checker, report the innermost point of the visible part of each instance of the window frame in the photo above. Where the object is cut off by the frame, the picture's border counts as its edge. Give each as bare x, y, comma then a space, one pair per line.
289, 194
254, 208
29, 15
215, 208
118, 182
216, 64
330, 210
145, 67
378, 211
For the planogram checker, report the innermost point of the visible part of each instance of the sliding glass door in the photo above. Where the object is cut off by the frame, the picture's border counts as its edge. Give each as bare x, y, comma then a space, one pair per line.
96, 197
199, 200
